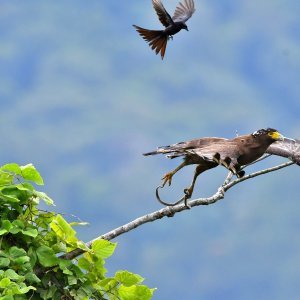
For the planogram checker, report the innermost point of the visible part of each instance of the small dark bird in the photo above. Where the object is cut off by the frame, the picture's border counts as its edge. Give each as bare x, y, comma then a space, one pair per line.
209, 152
158, 39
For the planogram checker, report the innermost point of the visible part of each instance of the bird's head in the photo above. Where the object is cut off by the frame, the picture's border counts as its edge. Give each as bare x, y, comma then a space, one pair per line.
184, 26
271, 133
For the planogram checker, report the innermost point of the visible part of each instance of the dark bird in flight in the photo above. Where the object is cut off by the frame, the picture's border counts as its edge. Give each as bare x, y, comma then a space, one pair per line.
158, 39
233, 154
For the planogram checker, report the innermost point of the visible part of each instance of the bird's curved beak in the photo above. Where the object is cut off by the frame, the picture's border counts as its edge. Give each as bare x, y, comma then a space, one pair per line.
276, 136
186, 29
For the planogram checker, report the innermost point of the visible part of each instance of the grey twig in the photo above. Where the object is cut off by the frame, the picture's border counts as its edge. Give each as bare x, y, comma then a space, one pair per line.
170, 211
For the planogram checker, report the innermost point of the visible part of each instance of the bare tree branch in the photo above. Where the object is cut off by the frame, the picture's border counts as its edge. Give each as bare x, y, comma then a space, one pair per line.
288, 148
170, 211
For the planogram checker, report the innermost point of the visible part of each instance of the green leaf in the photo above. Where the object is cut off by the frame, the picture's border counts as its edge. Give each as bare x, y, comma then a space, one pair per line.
59, 247
84, 264
5, 227
44, 197
72, 280
6, 178
32, 255
82, 245
4, 262
17, 226
29, 172
18, 223
128, 278
64, 265
30, 232
44, 219
32, 278
49, 292
103, 248
21, 288
15, 230
3, 231
4, 283
6, 224
13, 168
63, 229
46, 256
140, 292
21, 260
109, 284
77, 272
26, 186
11, 274
15, 252
10, 194
8, 172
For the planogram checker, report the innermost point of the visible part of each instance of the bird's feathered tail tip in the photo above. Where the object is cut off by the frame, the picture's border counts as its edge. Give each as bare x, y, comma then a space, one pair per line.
159, 150
151, 153
157, 39
170, 151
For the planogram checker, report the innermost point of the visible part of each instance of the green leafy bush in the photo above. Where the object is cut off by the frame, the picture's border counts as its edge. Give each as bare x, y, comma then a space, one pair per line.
32, 243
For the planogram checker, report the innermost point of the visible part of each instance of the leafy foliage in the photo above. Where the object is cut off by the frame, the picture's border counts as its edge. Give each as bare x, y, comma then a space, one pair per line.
32, 242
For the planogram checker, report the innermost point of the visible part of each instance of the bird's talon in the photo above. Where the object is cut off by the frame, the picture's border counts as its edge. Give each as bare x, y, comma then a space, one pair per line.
188, 193
167, 179
186, 204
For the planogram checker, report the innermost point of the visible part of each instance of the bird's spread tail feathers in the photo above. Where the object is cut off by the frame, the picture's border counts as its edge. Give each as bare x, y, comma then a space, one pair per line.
157, 39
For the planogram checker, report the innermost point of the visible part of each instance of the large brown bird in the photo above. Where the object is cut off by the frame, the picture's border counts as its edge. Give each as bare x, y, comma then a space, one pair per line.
158, 39
209, 152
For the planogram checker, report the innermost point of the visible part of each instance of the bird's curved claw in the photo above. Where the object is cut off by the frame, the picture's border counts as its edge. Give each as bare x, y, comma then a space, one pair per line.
182, 199
187, 196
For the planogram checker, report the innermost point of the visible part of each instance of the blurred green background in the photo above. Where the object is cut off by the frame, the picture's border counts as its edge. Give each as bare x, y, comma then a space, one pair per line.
83, 96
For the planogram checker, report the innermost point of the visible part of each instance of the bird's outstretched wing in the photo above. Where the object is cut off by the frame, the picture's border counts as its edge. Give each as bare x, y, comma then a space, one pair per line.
288, 148
184, 11
162, 13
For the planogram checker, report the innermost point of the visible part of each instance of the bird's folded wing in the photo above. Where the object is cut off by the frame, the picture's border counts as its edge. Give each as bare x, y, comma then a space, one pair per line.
162, 13
289, 148
182, 148
221, 149
184, 11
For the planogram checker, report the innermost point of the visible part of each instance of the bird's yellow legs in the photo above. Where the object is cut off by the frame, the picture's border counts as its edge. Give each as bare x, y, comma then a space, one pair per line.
168, 177
188, 191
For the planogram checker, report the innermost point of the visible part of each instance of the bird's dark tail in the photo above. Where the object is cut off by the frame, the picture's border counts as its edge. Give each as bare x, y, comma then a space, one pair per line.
157, 39
151, 153
171, 151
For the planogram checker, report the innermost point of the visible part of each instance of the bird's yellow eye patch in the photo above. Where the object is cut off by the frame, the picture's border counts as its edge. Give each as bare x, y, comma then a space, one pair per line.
275, 135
